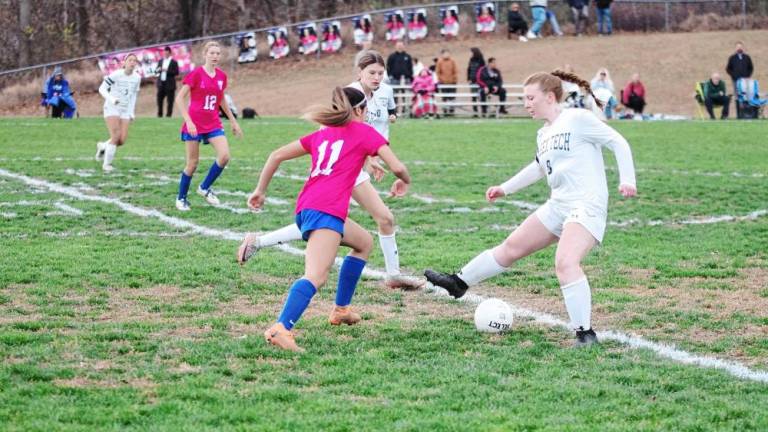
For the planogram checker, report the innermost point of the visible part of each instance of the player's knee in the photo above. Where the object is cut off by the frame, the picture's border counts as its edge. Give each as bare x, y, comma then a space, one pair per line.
385, 221
223, 159
565, 266
191, 167
365, 247
509, 252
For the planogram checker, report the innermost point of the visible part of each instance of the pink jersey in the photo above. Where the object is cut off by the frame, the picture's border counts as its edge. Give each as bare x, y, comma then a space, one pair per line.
206, 95
338, 155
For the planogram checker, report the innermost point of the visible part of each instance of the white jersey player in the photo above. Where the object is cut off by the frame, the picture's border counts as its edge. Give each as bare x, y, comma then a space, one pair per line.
381, 112
569, 155
119, 90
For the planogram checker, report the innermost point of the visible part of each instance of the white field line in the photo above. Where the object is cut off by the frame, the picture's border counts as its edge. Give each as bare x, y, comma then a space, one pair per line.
8, 215
69, 210
112, 233
666, 351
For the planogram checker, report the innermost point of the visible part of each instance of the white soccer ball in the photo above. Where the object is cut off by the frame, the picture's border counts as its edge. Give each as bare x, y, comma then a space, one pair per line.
493, 316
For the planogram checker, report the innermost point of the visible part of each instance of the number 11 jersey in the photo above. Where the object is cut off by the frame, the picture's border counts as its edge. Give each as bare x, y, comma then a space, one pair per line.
206, 93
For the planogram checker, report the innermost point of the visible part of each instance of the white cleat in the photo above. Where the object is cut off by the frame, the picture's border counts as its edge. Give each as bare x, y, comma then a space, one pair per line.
407, 283
100, 148
182, 205
248, 248
107, 168
522, 39
209, 196
531, 35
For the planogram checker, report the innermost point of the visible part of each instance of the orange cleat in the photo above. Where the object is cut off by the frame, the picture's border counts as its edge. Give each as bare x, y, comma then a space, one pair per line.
281, 337
343, 315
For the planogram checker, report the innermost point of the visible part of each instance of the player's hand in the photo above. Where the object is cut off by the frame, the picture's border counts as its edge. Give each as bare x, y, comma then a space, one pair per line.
493, 193
191, 129
256, 200
374, 168
627, 191
392, 118
236, 129
399, 188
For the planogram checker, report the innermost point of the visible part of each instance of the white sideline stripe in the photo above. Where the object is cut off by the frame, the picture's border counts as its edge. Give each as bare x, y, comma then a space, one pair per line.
666, 351
8, 215
68, 209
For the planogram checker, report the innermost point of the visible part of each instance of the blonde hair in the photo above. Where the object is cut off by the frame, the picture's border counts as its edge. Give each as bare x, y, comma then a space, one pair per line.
208, 45
553, 82
341, 110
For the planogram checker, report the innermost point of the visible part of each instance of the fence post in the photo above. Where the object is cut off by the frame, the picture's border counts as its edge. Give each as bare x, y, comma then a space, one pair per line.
666, 16
743, 14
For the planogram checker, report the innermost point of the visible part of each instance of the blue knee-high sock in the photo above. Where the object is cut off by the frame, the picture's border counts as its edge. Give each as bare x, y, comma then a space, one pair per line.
349, 274
213, 173
184, 185
298, 299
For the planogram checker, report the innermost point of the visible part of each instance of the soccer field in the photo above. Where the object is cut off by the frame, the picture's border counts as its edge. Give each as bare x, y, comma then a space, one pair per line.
117, 312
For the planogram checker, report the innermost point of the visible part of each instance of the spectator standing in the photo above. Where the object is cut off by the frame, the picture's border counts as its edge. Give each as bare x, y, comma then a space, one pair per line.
714, 94
516, 23
739, 66
539, 14
490, 81
604, 25
423, 103
168, 70
633, 96
447, 78
400, 71
475, 63
580, 13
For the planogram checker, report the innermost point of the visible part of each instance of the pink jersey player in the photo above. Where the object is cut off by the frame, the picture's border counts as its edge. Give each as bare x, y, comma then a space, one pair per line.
206, 94
338, 153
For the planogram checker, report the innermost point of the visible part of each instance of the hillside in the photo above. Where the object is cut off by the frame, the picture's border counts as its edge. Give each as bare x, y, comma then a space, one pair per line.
669, 64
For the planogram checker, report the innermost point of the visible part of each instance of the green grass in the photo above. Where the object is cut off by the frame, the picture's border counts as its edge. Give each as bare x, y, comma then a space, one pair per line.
110, 321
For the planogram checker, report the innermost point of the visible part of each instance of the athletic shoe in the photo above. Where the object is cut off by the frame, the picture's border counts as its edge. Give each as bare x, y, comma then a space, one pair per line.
100, 148
450, 282
248, 248
531, 35
522, 39
107, 168
209, 196
343, 315
182, 205
407, 283
281, 337
585, 338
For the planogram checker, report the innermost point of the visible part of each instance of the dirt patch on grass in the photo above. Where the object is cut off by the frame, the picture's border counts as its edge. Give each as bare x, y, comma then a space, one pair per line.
81, 382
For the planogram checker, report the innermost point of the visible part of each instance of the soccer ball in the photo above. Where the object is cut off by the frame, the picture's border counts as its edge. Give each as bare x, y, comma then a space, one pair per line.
493, 316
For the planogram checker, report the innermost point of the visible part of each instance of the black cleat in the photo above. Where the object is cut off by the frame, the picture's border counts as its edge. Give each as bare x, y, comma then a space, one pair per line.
585, 338
450, 282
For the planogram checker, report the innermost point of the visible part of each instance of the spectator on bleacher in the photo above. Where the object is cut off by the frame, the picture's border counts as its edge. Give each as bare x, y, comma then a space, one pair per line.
400, 71
475, 63
58, 95
447, 78
633, 96
423, 102
739, 66
580, 14
714, 94
491, 83
602, 87
604, 25
516, 23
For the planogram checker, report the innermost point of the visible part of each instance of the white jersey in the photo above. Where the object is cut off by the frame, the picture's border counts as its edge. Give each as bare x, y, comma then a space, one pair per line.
122, 87
379, 104
569, 151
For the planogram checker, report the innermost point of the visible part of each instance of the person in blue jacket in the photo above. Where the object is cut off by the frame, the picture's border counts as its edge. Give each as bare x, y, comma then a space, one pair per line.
58, 95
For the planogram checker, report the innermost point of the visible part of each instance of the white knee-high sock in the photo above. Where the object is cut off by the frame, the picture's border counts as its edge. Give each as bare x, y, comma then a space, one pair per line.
578, 303
389, 249
481, 267
109, 153
283, 235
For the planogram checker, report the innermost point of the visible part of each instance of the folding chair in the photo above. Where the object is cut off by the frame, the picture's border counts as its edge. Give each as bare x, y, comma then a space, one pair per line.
748, 97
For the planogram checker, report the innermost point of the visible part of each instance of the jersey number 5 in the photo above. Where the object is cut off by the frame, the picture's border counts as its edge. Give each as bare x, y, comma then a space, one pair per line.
335, 152
549, 167
210, 102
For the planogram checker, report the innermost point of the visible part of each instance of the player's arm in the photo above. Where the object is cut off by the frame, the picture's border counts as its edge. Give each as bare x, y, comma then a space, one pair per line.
607, 136
182, 104
104, 90
524, 178
232, 120
284, 153
400, 186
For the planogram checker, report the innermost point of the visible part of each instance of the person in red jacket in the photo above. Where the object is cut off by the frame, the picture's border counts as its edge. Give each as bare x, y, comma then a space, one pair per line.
633, 96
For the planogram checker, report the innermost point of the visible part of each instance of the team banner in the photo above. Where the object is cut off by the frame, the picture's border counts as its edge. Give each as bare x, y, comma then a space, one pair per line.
417, 24
331, 36
486, 18
363, 29
278, 42
395, 26
308, 43
149, 60
449, 21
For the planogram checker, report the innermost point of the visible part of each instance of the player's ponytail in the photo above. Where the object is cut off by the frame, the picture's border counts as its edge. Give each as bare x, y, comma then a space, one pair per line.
573, 78
343, 104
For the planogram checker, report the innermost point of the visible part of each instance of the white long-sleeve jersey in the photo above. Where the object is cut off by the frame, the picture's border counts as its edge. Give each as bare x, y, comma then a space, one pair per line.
124, 88
379, 104
569, 152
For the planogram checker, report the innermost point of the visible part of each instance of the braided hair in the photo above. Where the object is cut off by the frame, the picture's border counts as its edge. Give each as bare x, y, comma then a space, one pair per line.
553, 82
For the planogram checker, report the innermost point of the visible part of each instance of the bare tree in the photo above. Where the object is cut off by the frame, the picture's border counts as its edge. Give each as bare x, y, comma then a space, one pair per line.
25, 31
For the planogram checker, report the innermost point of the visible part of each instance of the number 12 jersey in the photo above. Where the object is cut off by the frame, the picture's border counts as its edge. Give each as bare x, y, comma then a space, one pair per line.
206, 93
